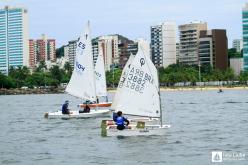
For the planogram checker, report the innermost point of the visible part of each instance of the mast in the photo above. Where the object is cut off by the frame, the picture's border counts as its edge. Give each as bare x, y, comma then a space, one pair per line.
93, 70
160, 106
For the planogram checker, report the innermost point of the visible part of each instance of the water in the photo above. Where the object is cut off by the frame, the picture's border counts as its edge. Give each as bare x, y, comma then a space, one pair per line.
202, 122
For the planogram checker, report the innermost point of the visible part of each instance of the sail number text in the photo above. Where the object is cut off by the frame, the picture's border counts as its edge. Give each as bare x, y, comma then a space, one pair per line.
135, 79
81, 45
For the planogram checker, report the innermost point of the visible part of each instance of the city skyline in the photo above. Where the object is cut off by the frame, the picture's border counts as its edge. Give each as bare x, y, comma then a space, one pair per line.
64, 21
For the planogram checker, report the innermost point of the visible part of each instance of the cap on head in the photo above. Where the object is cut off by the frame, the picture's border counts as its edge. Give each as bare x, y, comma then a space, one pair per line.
66, 102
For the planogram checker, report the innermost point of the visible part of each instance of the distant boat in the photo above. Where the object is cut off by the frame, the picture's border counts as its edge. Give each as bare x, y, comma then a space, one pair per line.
138, 96
100, 85
82, 83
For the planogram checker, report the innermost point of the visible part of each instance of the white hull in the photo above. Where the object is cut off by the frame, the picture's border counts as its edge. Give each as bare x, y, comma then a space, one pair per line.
149, 130
153, 121
76, 114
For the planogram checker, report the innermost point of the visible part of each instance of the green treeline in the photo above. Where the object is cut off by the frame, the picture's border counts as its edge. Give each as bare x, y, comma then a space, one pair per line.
193, 73
186, 73
20, 77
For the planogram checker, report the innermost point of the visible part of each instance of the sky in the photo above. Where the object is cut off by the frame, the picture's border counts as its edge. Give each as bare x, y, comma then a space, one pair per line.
64, 20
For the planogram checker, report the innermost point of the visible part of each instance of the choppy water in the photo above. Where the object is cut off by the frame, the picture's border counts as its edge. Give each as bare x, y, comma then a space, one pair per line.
202, 121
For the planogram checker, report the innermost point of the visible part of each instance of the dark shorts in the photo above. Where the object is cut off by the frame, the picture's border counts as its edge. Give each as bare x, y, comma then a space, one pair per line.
120, 127
66, 112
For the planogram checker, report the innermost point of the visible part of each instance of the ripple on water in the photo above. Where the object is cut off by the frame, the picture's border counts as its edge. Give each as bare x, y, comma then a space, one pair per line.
201, 122
11, 161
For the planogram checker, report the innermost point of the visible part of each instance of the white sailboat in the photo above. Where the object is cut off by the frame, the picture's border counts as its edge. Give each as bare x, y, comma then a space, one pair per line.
123, 77
100, 84
139, 96
82, 82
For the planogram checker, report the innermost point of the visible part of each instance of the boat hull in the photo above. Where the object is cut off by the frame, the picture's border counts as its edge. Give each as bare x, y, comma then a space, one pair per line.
107, 104
76, 114
132, 130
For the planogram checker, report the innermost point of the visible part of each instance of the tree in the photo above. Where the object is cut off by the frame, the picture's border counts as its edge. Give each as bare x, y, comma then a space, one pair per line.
19, 75
42, 66
113, 76
60, 52
56, 73
243, 77
68, 68
5, 81
232, 53
228, 74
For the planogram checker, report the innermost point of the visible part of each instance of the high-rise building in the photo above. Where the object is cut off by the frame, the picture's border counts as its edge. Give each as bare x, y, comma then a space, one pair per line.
14, 51
177, 52
51, 50
125, 48
95, 46
109, 46
245, 35
32, 54
238, 44
72, 51
237, 65
66, 51
213, 47
115, 48
163, 44
46, 49
189, 40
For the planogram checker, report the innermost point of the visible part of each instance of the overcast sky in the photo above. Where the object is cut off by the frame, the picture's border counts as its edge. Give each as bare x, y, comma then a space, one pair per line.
64, 20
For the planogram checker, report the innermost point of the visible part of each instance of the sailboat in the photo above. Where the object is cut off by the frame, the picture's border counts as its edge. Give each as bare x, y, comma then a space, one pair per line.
100, 84
82, 82
138, 95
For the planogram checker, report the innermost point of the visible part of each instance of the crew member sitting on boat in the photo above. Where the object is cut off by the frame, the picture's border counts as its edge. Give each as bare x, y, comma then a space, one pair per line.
86, 109
65, 109
120, 121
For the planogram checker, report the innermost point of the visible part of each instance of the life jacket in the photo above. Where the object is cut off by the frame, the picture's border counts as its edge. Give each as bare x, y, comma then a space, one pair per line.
64, 108
120, 120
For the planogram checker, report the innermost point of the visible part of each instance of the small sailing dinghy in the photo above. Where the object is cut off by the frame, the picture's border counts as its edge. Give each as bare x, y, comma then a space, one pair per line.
100, 83
138, 95
82, 82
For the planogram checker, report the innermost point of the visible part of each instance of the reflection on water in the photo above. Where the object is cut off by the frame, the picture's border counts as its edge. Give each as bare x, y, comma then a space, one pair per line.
202, 121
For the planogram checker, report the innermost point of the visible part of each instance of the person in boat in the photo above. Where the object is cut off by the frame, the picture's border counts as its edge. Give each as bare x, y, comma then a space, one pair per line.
120, 121
86, 109
65, 109
114, 116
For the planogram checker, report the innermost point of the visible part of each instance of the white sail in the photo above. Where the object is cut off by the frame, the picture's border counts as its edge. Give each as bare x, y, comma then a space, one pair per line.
123, 77
139, 94
145, 47
82, 82
101, 89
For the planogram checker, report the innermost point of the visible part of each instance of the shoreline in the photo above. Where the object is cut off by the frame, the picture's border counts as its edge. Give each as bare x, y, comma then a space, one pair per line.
196, 88
19, 91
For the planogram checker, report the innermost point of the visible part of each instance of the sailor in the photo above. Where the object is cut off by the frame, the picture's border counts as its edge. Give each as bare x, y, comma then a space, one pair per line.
86, 109
65, 109
114, 116
120, 121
